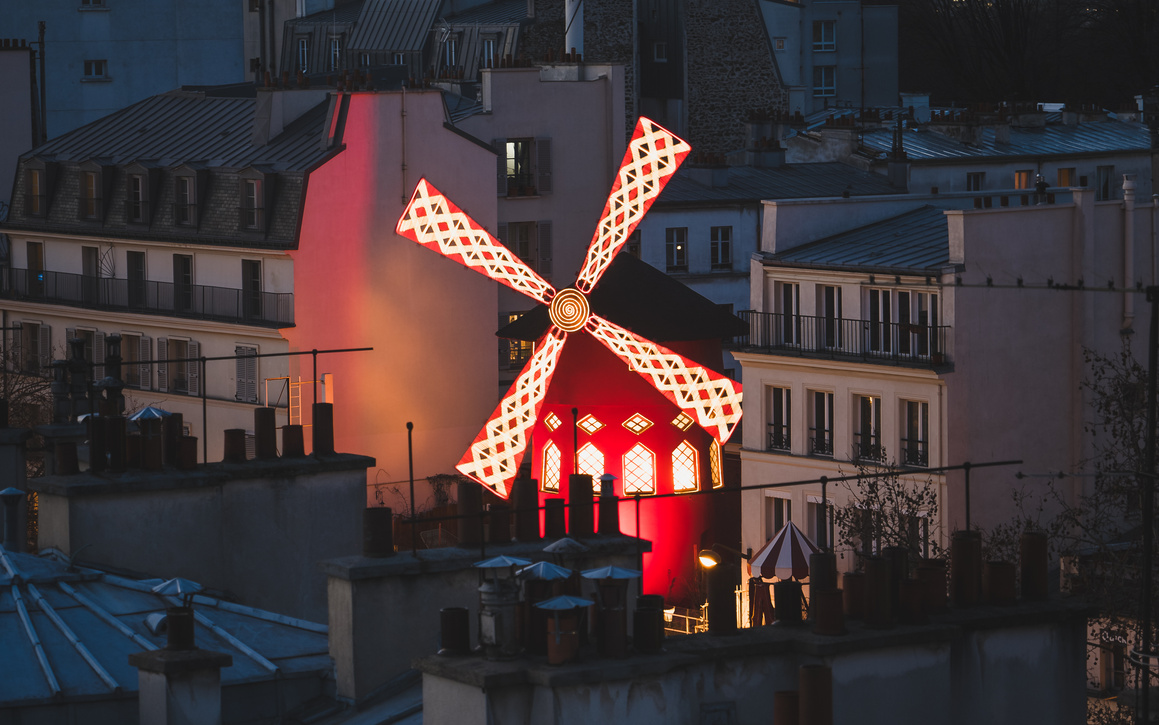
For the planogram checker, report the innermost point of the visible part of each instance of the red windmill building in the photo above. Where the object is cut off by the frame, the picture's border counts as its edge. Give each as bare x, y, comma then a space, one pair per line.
659, 427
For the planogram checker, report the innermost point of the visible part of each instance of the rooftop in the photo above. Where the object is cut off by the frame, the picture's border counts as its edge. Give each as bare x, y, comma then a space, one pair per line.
916, 241
68, 632
790, 181
393, 25
211, 127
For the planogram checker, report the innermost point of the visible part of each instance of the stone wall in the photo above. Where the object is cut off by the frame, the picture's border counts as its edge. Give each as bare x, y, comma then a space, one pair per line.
731, 72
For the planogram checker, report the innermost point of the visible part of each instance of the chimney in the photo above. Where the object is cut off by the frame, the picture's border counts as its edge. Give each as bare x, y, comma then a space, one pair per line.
179, 685
573, 28
919, 105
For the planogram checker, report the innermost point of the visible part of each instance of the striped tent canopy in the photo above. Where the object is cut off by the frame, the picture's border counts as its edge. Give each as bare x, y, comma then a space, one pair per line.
785, 556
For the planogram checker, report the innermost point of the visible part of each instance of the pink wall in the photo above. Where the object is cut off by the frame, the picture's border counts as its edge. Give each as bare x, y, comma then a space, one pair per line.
430, 321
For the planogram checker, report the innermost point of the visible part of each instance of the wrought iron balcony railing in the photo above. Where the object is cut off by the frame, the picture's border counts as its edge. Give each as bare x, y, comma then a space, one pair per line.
820, 445
867, 340
914, 453
270, 309
779, 439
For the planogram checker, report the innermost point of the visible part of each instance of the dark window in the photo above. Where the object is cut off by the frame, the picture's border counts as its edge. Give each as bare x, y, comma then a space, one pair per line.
90, 203
136, 273
975, 180
824, 35
252, 204
35, 347
90, 274
915, 442
304, 55
1104, 190
185, 205
335, 53
720, 247
251, 280
96, 70
135, 205
778, 512
183, 282
35, 269
824, 80
487, 53
820, 423
868, 434
780, 416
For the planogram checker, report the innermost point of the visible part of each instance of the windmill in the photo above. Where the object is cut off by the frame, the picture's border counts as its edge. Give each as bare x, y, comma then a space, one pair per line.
707, 397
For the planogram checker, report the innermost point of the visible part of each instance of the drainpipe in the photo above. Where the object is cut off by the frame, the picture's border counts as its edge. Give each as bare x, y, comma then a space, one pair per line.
1155, 239
1128, 250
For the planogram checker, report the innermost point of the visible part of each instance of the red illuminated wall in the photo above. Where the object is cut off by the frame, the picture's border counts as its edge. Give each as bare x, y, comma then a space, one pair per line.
595, 382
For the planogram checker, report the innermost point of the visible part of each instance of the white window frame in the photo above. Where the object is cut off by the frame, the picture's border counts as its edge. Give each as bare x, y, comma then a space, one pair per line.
676, 249
779, 418
824, 81
918, 453
867, 445
826, 39
820, 431
720, 248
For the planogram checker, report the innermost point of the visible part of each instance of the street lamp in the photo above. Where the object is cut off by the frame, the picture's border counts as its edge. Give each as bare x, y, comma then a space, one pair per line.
720, 588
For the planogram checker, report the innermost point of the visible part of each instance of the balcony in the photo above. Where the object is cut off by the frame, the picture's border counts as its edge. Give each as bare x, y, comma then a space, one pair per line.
222, 304
779, 439
840, 339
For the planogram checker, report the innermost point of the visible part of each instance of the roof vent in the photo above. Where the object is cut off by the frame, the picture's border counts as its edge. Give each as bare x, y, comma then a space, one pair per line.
157, 623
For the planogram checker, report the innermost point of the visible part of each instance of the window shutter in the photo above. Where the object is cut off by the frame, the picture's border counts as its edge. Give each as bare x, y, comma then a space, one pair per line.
193, 369
500, 146
544, 253
99, 355
247, 374
45, 348
69, 336
162, 366
145, 352
543, 165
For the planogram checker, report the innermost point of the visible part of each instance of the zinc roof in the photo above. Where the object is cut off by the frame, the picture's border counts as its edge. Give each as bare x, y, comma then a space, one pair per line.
917, 240
345, 13
68, 631
393, 25
790, 181
1053, 139
192, 127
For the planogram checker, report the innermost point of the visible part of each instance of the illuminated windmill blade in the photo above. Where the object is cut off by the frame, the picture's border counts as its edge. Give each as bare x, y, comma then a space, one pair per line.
433, 220
653, 156
710, 397
494, 457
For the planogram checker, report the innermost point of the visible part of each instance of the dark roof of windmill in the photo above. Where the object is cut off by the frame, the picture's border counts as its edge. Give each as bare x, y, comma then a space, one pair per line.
918, 240
212, 127
502, 12
394, 25
641, 298
107, 615
790, 181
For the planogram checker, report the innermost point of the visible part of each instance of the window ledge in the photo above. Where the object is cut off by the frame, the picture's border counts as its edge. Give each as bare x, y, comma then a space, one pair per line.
105, 79
516, 197
93, 9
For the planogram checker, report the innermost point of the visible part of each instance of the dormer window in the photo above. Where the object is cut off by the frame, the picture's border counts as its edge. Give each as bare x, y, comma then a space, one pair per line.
35, 201
90, 195
185, 204
252, 203
136, 203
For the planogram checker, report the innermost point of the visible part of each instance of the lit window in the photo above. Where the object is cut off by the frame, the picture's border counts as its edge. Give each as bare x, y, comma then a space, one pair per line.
676, 249
1067, 178
824, 35
778, 43
684, 469
867, 436
552, 421
96, 70
683, 421
551, 466
590, 461
639, 471
637, 424
590, 424
90, 195
519, 171
1024, 179
34, 194
824, 80
714, 465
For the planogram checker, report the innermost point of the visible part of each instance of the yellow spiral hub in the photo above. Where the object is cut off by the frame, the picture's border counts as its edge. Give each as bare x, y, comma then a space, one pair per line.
569, 310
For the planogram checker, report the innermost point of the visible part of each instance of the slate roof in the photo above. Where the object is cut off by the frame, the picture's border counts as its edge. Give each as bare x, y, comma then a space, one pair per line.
641, 298
393, 25
1055, 139
209, 127
917, 241
68, 632
790, 181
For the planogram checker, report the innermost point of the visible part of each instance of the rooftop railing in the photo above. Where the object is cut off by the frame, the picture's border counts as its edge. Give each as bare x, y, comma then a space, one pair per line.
224, 304
837, 338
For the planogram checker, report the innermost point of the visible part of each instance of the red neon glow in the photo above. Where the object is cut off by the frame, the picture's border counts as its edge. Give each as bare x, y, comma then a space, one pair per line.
432, 220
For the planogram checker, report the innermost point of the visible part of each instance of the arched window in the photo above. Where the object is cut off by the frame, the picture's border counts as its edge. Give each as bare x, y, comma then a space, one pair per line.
591, 462
685, 474
714, 465
639, 471
549, 482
